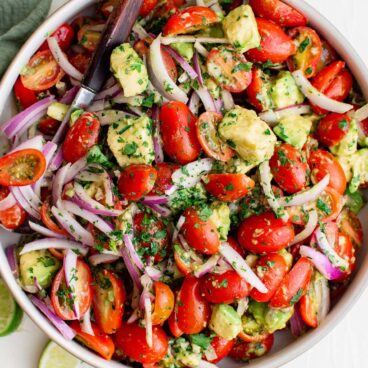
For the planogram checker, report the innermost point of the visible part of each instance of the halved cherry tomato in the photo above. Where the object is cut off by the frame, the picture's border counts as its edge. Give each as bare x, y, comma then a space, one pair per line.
225, 288
147, 7
308, 53
64, 36
294, 284
229, 68
60, 298
48, 221
131, 339
271, 269
179, 132
288, 168
333, 128
349, 224
322, 163
327, 57
193, 310
276, 45
25, 97
331, 231
244, 351
108, 301
169, 64
184, 260
14, 216
235, 245
23, 167
173, 322
222, 348
164, 172
200, 232
344, 248
42, 72
228, 187
279, 12
189, 20
164, 303
258, 337
136, 181
209, 139
80, 61
258, 90
329, 204
88, 37
48, 126
265, 233
100, 342
81, 137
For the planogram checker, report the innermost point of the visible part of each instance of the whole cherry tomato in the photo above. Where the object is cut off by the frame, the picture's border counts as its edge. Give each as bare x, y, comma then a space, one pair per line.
265, 233
244, 351
276, 45
81, 137
225, 288
179, 132
222, 348
147, 7
64, 36
25, 97
164, 303
200, 232
131, 339
228, 187
333, 128
192, 309
136, 181
288, 168
12, 217
349, 224
164, 181
257, 91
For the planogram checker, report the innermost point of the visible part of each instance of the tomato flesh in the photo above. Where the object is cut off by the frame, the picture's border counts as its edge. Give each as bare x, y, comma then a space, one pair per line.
244, 351
164, 303
164, 182
25, 97
12, 217
64, 36
333, 128
222, 348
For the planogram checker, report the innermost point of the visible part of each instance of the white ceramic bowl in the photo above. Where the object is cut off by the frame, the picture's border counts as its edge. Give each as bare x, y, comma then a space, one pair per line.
285, 349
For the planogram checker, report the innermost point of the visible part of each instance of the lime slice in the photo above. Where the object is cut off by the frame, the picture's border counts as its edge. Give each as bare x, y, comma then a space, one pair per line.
53, 356
10, 313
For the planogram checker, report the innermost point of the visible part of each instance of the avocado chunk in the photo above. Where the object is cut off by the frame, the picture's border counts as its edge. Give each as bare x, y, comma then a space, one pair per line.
186, 197
241, 29
285, 92
221, 218
349, 144
359, 169
354, 201
235, 165
186, 50
129, 70
294, 130
96, 156
346, 163
39, 264
130, 140
225, 322
248, 135
57, 111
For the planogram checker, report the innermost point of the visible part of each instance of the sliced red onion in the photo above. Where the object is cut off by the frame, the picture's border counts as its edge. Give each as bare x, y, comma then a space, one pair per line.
72, 226
21, 120
157, 139
201, 49
182, 62
69, 96
307, 196
228, 100
70, 273
242, 306
206, 99
97, 259
23, 202
161, 210
37, 284
57, 160
154, 273
318, 98
189, 175
329, 251
59, 181
35, 143
183, 77
148, 319
86, 202
162, 80
222, 267
86, 324
134, 256
210, 353
193, 254
241, 267
45, 231
107, 184
98, 105
62, 60
76, 168
152, 199
272, 117
323, 299
108, 92
219, 104
30, 196
63, 328
178, 227
360, 114
107, 117
322, 263
11, 256
88, 176
197, 69
140, 31
133, 272
47, 243
309, 228
207, 267
134, 316
194, 103
7, 202
297, 325
192, 39
204, 364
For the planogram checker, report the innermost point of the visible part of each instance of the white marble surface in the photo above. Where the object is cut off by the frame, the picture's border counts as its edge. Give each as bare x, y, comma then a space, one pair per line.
347, 345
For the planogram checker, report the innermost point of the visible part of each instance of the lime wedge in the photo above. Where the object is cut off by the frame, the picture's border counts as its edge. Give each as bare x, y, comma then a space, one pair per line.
10, 313
53, 356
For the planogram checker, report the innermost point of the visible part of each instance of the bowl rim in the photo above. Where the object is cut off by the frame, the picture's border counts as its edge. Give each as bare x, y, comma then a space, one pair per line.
285, 355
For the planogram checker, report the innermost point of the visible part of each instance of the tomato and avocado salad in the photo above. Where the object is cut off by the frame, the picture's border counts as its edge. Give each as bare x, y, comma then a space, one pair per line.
209, 196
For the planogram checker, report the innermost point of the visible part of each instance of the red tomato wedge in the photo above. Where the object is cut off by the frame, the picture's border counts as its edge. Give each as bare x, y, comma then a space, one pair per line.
222, 348
333, 128
25, 97
64, 36
164, 303
147, 7
12, 217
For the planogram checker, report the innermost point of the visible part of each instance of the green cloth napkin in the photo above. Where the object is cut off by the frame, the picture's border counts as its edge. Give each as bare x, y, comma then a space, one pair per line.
18, 19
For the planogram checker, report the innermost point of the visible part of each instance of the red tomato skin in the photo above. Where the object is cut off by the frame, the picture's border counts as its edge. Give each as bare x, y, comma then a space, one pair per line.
322, 163
244, 351
279, 12
14, 216
48, 126
163, 182
201, 235
173, 323
295, 281
274, 268
136, 181
169, 64
265, 233
344, 248
228, 187
179, 132
80, 61
147, 7
276, 45
331, 129
222, 348
131, 339
308, 310
193, 310
349, 224
291, 176
225, 288
235, 245
25, 97
81, 137
192, 17
255, 88
64, 36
